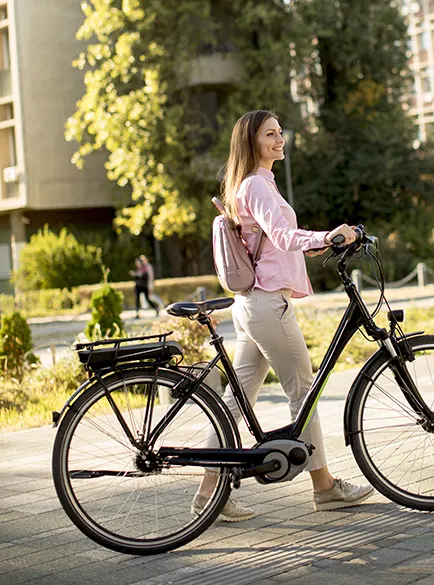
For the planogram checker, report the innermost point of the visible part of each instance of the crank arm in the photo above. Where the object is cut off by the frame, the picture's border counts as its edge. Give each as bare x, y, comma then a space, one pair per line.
265, 468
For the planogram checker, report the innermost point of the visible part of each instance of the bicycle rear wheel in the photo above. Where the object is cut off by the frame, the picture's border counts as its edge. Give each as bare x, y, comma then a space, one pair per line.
392, 443
106, 494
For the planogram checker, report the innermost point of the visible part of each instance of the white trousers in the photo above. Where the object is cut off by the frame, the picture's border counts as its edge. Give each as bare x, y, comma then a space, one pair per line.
268, 335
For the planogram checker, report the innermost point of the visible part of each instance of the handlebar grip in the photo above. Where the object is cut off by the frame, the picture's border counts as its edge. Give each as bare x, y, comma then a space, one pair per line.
339, 239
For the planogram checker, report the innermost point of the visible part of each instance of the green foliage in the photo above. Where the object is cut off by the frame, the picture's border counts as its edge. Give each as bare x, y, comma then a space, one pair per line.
180, 289
7, 303
158, 132
168, 289
15, 345
318, 328
118, 251
31, 401
133, 105
358, 164
353, 160
52, 260
38, 303
44, 389
106, 306
61, 301
191, 335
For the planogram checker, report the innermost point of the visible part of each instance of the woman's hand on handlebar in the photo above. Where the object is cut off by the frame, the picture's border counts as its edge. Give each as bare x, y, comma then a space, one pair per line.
342, 235
316, 252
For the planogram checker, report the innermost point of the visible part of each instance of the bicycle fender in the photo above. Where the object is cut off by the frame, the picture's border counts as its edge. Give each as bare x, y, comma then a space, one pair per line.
352, 392
57, 416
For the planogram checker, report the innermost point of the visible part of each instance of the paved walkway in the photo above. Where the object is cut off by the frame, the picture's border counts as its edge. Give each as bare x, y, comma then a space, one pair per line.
375, 543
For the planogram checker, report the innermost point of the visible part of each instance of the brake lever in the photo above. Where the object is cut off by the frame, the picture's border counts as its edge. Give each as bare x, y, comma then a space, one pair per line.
335, 251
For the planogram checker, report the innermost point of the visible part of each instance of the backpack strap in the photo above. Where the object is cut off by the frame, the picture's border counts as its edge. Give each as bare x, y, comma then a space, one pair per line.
258, 244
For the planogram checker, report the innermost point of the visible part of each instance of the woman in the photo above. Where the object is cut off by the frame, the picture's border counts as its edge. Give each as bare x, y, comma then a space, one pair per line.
264, 319
144, 277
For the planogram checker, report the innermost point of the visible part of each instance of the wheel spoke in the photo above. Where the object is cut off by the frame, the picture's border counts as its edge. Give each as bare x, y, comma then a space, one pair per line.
394, 444
102, 479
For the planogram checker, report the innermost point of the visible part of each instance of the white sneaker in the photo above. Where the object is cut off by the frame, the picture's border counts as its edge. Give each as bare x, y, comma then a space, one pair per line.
343, 494
232, 512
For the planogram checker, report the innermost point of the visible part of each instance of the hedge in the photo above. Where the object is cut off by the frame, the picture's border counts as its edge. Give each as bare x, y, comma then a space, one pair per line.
58, 301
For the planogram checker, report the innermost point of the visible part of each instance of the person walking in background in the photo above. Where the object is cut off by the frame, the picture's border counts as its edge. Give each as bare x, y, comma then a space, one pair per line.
144, 277
265, 323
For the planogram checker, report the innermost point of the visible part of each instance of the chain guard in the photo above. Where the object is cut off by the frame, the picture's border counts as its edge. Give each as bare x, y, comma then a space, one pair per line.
292, 455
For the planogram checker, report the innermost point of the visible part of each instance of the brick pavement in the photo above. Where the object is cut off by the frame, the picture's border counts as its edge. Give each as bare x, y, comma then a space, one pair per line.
376, 542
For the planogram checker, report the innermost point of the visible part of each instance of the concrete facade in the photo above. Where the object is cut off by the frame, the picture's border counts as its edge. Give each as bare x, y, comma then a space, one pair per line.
39, 89
420, 19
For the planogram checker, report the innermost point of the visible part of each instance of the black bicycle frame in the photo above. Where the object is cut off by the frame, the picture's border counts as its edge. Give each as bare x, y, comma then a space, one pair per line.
356, 315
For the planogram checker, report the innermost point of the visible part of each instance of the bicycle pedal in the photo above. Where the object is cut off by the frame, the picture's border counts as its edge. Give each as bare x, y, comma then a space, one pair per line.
236, 476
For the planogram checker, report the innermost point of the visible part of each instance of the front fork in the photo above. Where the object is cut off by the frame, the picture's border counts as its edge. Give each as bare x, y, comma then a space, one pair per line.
402, 354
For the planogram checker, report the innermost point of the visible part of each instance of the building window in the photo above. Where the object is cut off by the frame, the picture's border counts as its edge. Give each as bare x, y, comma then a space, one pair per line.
6, 112
4, 50
426, 84
430, 131
422, 41
12, 147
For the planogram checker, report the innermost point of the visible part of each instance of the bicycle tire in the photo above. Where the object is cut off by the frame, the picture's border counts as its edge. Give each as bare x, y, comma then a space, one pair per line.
146, 514
389, 442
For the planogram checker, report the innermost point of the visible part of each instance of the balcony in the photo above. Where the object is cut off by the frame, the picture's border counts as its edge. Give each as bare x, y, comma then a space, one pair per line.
5, 83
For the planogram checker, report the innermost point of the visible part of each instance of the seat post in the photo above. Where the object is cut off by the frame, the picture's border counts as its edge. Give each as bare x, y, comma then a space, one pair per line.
205, 320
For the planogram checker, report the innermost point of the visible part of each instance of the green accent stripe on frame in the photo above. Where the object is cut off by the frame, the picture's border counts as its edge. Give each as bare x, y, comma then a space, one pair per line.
316, 402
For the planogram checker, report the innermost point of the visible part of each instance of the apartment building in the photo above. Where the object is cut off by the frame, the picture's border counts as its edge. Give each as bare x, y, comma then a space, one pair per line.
38, 91
420, 19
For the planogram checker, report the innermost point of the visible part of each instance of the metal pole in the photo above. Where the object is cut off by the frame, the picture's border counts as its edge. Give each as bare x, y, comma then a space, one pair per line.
422, 277
289, 137
157, 253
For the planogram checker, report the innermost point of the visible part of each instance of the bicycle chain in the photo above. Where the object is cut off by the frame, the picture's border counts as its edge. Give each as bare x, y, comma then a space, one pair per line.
200, 474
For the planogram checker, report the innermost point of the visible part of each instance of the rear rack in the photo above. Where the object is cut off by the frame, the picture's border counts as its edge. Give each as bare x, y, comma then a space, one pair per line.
161, 337
106, 353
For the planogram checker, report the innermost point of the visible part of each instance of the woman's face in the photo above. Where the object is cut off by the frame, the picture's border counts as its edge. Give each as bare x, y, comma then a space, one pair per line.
270, 143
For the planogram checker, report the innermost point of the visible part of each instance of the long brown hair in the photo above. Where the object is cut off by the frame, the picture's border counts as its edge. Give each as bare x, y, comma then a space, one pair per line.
243, 156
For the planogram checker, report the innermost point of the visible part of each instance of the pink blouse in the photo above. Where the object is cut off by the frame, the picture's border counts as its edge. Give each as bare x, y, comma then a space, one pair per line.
281, 263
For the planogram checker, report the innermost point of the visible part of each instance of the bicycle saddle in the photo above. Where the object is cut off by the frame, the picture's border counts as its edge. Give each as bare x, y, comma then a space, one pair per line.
187, 309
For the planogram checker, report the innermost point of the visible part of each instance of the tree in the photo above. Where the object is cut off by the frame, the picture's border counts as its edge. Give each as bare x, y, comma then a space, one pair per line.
166, 137
359, 164
138, 105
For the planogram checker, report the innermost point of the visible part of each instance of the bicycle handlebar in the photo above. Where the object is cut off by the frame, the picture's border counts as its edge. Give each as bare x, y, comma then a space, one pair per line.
347, 251
338, 248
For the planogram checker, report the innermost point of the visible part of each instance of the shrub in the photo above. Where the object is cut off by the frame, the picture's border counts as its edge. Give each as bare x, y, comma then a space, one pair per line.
180, 289
57, 261
42, 390
106, 305
15, 345
168, 289
52, 301
191, 335
36, 303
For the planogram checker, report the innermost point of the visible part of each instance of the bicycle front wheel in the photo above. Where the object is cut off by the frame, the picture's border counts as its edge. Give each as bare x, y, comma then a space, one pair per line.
100, 476
392, 443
